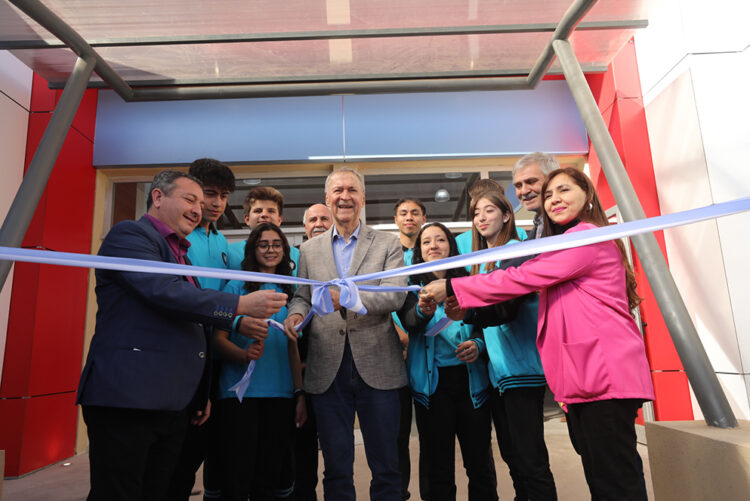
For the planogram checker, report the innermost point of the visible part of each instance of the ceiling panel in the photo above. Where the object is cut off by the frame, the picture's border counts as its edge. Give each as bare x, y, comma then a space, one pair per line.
312, 60
459, 55
103, 19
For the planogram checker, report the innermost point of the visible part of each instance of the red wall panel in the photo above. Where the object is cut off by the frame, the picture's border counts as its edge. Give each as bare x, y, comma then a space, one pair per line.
70, 194
626, 78
42, 99
36, 431
50, 431
671, 390
57, 344
19, 341
12, 423
83, 121
37, 125
48, 303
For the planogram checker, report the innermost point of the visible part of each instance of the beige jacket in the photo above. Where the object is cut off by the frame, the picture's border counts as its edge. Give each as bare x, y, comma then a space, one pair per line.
375, 346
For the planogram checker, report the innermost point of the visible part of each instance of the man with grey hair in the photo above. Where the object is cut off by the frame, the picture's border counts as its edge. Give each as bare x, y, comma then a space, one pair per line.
529, 175
355, 362
316, 220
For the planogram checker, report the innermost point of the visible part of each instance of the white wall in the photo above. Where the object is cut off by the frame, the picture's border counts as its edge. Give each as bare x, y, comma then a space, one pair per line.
15, 96
694, 65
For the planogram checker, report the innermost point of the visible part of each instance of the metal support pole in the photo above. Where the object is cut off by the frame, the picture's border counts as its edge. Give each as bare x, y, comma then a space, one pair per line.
30, 192
436, 31
52, 23
711, 397
327, 88
567, 24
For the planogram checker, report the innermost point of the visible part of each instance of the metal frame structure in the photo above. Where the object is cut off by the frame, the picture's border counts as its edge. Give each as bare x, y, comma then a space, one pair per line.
711, 398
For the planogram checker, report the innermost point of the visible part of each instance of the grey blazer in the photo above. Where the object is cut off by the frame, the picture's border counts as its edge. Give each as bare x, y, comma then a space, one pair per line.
375, 346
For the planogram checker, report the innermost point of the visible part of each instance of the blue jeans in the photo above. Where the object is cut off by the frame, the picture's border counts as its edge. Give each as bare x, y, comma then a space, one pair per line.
378, 412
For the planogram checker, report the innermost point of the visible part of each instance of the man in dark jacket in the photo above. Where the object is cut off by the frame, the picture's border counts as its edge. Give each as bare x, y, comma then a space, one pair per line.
145, 375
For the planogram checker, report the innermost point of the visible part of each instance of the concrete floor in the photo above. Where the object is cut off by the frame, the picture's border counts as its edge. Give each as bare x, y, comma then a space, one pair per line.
70, 482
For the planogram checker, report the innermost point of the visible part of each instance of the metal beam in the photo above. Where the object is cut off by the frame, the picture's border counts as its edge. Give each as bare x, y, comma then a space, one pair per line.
327, 88
52, 23
325, 35
568, 23
35, 180
188, 82
701, 375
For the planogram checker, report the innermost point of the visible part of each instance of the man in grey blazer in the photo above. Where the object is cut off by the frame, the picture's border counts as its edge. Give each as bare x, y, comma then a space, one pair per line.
355, 361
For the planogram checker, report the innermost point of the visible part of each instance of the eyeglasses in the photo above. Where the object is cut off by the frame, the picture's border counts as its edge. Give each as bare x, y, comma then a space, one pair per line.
264, 246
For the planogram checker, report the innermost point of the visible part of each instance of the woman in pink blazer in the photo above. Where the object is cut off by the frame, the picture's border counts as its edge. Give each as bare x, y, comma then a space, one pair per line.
591, 349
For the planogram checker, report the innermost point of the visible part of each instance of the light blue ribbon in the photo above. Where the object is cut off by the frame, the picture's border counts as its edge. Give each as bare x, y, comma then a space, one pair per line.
240, 387
321, 300
569, 240
439, 326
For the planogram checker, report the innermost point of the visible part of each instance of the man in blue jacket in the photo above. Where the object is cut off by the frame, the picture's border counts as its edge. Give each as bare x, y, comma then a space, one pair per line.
145, 375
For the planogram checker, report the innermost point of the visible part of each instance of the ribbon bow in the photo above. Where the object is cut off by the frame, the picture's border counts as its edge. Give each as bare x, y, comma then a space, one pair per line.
322, 302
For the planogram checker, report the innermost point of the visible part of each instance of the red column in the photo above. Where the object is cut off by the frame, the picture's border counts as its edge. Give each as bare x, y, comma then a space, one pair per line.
618, 94
48, 303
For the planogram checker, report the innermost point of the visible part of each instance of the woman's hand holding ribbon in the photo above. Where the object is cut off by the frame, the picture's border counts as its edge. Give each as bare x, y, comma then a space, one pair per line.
427, 306
435, 290
453, 310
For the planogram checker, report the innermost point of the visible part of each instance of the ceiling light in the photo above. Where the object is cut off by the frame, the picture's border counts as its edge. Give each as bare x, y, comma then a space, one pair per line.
251, 181
453, 175
442, 195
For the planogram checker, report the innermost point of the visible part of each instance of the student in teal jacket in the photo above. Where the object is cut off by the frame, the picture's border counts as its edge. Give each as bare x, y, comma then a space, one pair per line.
515, 367
450, 385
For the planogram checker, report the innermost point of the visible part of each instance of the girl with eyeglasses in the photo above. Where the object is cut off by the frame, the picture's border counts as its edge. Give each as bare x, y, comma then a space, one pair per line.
257, 432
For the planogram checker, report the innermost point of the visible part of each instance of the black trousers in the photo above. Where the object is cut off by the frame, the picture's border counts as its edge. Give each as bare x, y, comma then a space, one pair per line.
424, 456
132, 452
404, 430
256, 442
519, 424
452, 414
603, 433
306, 457
201, 445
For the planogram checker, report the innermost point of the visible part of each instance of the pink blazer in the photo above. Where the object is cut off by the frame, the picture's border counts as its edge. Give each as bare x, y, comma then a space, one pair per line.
590, 346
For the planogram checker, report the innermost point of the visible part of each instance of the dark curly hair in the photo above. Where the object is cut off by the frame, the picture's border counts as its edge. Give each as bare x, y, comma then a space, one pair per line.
426, 278
251, 264
213, 173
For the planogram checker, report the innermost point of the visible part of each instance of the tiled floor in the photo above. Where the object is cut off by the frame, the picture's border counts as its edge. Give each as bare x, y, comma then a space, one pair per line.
70, 483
